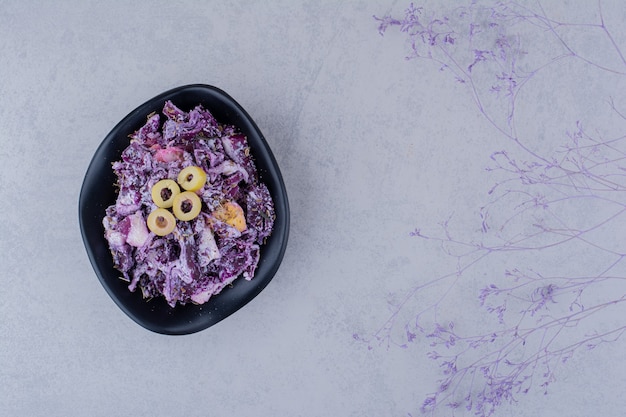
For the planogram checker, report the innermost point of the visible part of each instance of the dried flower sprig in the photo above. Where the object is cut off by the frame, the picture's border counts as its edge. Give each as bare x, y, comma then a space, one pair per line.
544, 204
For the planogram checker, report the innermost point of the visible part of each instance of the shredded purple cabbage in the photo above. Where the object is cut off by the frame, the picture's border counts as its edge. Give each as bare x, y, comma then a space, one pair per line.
204, 255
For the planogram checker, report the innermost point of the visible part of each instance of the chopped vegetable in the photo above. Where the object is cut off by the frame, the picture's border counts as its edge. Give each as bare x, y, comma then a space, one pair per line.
231, 213
137, 231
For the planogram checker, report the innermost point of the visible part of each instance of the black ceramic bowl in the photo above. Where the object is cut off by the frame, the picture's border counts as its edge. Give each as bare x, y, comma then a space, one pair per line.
99, 191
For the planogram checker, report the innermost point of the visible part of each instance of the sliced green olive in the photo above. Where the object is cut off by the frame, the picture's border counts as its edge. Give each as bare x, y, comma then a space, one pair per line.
163, 193
192, 178
187, 206
161, 222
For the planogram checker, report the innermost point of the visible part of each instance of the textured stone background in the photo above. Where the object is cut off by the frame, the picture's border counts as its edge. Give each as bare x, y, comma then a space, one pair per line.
370, 147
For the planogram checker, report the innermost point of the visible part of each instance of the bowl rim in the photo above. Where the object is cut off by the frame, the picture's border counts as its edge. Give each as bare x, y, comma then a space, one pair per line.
279, 238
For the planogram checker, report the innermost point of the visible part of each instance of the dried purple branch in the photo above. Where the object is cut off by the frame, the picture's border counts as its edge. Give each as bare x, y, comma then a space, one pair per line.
541, 318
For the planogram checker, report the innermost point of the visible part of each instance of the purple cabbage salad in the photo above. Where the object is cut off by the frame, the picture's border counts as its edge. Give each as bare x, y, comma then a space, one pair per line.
201, 256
